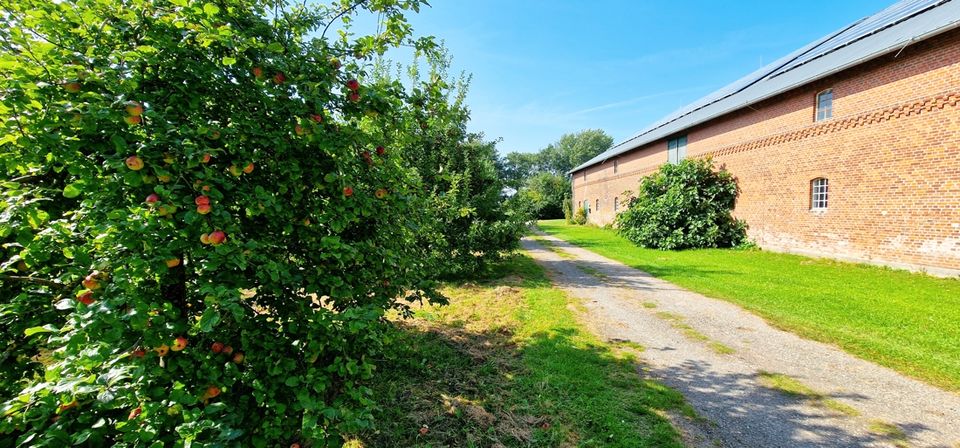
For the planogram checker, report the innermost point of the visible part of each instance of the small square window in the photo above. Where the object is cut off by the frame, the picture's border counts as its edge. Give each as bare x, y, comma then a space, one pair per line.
819, 193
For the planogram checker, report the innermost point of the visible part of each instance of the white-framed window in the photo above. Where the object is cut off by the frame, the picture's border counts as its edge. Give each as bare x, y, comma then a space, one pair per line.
615, 166
616, 204
819, 193
824, 105
677, 149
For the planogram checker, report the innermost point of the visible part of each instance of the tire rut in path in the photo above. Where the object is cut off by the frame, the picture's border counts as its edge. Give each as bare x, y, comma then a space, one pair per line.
689, 338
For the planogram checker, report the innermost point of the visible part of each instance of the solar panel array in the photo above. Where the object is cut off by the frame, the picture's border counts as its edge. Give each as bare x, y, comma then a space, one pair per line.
888, 29
888, 17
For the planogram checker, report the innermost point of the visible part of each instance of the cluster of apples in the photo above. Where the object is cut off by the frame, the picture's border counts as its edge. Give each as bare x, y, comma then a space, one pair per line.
236, 170
221, 348
134, 113
354, 87
214, 238
177, 345
92, 283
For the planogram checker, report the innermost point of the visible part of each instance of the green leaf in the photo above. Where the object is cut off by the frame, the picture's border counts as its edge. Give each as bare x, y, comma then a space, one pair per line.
227, 60
292, 381
275, 47
72, 190
210, 9
210, 319
44, 329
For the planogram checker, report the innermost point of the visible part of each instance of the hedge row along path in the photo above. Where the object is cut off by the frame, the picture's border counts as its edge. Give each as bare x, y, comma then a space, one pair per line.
751, 384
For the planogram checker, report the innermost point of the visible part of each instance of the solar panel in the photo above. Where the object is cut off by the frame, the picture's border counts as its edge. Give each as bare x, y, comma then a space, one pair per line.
888, 17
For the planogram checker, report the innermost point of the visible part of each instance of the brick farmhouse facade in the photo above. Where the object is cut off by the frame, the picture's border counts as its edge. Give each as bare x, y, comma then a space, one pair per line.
876, 178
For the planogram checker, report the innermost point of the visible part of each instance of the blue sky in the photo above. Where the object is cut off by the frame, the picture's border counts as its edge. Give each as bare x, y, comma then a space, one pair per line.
542, 68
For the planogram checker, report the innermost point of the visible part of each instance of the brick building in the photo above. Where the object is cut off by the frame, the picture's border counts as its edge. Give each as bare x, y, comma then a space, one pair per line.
847, 148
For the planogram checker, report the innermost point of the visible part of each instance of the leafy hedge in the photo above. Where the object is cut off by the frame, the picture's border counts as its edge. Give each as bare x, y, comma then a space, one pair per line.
684, 205
206, 211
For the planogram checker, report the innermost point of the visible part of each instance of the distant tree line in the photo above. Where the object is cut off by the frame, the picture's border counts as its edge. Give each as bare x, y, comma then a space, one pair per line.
540, 178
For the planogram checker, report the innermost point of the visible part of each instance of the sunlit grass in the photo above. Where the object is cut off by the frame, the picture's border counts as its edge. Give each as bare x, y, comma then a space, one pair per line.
906, 321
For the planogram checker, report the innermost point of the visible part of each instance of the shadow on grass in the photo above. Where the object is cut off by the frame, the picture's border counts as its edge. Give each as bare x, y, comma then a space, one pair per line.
462, 381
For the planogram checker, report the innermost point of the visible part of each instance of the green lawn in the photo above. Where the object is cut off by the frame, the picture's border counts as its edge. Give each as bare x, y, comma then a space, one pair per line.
507, 364
908, 322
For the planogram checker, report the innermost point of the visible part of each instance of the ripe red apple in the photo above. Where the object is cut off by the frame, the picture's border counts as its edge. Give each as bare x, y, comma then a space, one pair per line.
179, 344
381, 151
347, 191
227, 349
354, 97
211, 392
153, 198
206, 158
133, 119
294, 445
91, 282
216, 347
299, 130
134, 108
135, 413
279, 78
202, 200
238, 358
72, 86
257, 72
134, 163
217, 237
249, 168
380, 193
203, 209
162, 350
138, 353
172, 262
317, 118
353, 85
85, 297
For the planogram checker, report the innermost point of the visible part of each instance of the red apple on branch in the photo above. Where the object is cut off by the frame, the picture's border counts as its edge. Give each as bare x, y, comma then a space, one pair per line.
151, 199
217, 237
348, 191
85, 297
216, 347
179, 344
353, 85
134, 108
249, 168
134, 163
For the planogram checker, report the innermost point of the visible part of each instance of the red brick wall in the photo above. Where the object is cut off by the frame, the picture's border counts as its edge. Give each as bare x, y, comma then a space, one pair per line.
891, 153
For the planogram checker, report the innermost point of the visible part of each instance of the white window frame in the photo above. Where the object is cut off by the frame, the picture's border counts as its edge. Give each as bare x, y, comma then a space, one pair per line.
677, 149
824, 107
819, 194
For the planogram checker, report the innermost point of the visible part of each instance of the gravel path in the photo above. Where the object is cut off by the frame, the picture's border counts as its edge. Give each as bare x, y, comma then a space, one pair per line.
688, 338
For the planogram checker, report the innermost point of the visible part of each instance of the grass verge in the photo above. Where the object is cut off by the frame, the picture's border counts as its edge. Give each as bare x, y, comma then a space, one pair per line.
507, 364
906, 321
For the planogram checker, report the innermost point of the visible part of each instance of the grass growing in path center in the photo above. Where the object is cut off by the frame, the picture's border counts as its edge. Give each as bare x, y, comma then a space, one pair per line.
507, 364
906, 321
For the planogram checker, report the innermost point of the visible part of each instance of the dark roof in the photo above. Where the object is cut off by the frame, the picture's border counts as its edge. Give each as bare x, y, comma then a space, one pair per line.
887, 31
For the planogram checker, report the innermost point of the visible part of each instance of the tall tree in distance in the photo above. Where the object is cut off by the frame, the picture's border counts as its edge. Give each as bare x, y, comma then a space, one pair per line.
540, 179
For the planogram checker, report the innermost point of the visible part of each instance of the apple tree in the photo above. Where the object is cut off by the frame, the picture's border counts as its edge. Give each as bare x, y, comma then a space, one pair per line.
201, 226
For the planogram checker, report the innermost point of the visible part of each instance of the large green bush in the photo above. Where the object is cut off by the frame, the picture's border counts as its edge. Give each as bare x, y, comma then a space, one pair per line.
202, 222
684, 205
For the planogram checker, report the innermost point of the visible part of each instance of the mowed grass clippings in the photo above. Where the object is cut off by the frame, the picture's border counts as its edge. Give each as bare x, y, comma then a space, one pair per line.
907, 321
506, 364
